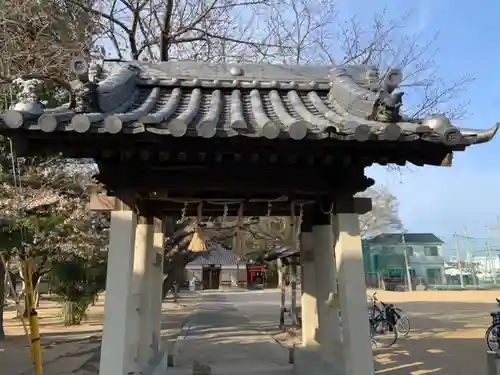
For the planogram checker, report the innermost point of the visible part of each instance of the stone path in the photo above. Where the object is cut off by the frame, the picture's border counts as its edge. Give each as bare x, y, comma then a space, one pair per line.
76, 350
222, 337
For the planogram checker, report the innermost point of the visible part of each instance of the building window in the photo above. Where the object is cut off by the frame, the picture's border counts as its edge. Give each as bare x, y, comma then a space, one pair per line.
409, 251
387, 249
431, 251
434, 275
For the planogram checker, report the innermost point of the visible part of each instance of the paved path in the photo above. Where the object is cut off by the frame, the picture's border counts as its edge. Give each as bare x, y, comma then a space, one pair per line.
222, 337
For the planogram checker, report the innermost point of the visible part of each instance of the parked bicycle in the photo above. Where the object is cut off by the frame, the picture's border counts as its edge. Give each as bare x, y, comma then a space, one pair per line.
402, 321
383, 332
492, 335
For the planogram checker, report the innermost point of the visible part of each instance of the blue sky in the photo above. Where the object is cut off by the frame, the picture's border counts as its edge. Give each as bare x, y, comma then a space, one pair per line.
442, 200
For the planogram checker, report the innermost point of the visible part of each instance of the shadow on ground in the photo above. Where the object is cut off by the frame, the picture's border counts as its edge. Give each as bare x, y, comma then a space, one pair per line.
446, 338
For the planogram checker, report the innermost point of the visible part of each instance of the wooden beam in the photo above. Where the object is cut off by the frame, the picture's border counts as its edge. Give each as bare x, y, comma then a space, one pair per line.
102, 203
148, 148
238, 181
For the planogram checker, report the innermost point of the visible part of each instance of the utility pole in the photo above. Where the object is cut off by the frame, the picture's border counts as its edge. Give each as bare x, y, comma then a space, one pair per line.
459, 262
492, 265
407, 263
469, 256
490, 261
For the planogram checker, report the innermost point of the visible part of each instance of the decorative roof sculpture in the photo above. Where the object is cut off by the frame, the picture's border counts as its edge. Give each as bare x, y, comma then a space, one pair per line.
197, 99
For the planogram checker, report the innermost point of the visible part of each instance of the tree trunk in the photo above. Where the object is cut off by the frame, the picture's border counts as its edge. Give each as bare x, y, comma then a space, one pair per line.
172, 277
168, 283
279, 267
35, 279
2, 299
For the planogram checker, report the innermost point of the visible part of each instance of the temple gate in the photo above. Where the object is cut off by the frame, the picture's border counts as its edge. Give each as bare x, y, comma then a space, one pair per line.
256, 140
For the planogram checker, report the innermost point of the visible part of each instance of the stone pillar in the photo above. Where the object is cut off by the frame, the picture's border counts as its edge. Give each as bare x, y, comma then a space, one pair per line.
352, 292
141, 326
309, 314
321, 352
293, 287
117, 311
282, 285
329, 330
146, 350
156, 276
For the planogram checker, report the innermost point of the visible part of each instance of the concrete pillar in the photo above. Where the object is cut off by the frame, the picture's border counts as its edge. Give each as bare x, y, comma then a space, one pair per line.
282, 285
156, 277
139, 298
321, 352
329, 330
146, 350
293, 287
352, 294
309, 314
117, 313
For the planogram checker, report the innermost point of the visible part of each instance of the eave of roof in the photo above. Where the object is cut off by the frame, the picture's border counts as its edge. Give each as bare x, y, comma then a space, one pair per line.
197, 99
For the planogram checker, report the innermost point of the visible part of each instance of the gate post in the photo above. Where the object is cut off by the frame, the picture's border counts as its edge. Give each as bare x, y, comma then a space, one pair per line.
139, 290
309, 315
156, 278
329, 329
352, 290
115, 351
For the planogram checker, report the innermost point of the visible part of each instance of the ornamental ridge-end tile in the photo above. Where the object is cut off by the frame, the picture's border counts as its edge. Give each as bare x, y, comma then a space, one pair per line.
28, 98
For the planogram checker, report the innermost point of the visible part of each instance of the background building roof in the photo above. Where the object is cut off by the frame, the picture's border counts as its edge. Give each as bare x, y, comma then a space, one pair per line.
218, 255
410, 238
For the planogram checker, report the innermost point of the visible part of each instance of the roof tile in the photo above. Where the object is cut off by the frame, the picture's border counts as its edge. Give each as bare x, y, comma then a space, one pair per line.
270, 101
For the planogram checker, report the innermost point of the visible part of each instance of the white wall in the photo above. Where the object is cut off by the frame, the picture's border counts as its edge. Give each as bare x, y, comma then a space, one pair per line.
417, 259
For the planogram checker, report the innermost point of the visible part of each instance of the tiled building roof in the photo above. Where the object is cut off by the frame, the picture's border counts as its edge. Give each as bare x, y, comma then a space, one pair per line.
217, 255
197, 99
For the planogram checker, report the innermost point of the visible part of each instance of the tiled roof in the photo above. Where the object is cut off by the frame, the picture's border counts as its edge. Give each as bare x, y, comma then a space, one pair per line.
410, 238
218, 256
189, 98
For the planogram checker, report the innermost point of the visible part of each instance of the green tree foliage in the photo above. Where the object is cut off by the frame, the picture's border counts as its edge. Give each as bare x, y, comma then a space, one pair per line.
77, 279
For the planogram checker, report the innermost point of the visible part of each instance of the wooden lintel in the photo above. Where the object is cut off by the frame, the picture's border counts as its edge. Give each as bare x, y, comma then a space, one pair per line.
102, 203
362, 205
357, 205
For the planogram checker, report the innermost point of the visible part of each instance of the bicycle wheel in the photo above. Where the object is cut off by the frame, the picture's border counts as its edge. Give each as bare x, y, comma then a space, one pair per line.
491, 336
402, 323
383, 334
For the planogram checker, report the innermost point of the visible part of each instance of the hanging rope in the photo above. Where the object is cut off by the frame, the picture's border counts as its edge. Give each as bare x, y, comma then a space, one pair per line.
292, 225
298, 224
239, 232
197, 243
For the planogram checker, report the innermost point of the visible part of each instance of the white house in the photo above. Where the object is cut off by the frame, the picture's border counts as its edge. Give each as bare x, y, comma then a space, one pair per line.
424, 250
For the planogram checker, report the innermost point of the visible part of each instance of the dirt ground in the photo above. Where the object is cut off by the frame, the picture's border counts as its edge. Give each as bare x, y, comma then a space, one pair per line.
76, 349
447, 335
